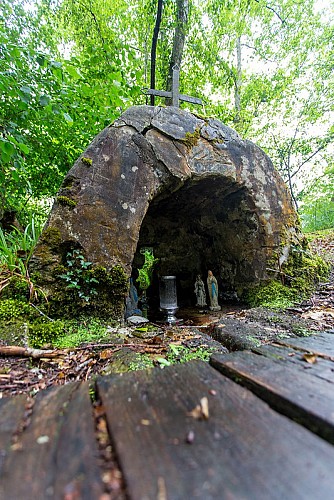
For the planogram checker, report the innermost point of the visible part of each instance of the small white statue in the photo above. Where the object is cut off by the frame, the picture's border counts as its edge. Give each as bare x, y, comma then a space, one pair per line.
200, 292
213, 292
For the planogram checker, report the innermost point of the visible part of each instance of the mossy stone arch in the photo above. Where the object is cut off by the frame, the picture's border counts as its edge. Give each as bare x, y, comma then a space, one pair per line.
189, 187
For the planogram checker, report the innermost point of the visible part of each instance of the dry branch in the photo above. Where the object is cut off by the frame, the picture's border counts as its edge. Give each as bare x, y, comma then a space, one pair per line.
14, 350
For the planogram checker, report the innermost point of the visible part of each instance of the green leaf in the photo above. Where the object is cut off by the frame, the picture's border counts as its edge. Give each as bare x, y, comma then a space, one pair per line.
15, 175
57, 73
41, 60
44, 100
25, 89
74, 72
24, 148
7, 147
68, 118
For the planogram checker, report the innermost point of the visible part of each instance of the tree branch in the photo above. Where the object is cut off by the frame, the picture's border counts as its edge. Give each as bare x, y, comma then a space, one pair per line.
283, 21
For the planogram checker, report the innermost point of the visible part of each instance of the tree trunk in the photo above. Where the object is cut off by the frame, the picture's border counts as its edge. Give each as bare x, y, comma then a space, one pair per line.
237, 84
182, 13
154, 47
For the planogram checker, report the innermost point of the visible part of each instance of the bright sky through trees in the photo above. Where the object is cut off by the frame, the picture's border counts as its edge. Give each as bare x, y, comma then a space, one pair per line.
69, 68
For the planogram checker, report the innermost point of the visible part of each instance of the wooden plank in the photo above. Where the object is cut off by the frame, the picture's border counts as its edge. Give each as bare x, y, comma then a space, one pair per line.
322, 368
322, 343
56, 455
182, 97
12, 411
11, 414
306, 399
244, 450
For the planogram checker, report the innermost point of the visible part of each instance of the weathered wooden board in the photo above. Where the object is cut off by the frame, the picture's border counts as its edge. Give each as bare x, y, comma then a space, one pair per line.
56, 455
244, 450
322, 368
11, 415
300, 396
321, 343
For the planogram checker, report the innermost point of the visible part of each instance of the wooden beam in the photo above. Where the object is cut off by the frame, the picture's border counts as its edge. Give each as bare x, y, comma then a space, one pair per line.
182, 97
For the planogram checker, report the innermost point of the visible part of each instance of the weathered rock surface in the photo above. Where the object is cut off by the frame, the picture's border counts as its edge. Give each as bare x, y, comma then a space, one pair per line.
188, 187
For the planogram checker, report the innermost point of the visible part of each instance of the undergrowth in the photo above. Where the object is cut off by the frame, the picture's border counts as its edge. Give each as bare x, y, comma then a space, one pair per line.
84, 332
16, 249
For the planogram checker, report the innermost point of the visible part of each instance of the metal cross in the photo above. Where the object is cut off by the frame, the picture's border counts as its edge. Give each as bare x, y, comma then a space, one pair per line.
174, 94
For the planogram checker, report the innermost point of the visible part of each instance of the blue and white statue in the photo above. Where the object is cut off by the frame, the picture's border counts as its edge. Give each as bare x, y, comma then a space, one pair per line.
213, 292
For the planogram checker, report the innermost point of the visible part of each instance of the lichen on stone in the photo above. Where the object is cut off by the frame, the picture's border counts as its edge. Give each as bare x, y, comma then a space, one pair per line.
191, 139
51, 236
87, 161
66, 201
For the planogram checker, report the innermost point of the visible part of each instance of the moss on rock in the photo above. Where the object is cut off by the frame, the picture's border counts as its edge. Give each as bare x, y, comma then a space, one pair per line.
104, 299
66, 201
87, 161
191, 139
299, 278
13, 309
51, 236
43, 332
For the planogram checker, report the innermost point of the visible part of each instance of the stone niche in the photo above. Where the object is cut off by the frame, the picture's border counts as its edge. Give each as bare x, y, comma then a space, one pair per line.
188, 187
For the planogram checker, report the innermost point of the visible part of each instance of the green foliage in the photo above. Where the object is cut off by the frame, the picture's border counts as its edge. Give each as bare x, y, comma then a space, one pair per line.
145, 272
90, 330
273, 295
84, 289
16, 248
317, 203
12, 309
182, 354
41, 332
78, 276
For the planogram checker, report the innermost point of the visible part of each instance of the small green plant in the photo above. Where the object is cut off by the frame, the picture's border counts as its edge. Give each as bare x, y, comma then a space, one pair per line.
142, 362
182, 354
79, 277
11, 309
301, 331
45, 332
82, 332
16, 249
145, 273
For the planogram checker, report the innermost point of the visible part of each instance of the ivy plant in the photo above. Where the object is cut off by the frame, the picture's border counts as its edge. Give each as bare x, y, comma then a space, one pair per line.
78, 276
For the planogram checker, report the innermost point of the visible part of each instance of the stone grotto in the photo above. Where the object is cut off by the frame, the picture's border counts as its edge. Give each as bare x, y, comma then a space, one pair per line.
187, 187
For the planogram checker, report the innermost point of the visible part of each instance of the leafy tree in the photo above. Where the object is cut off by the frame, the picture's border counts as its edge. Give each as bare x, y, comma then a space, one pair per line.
70, 67
317, 208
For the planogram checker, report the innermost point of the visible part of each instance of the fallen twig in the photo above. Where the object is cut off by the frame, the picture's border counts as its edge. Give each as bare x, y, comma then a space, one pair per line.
14, 350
